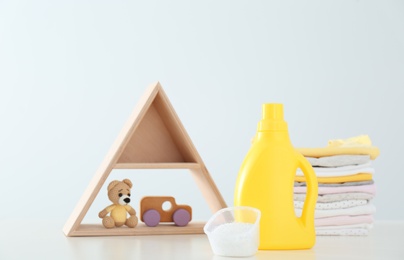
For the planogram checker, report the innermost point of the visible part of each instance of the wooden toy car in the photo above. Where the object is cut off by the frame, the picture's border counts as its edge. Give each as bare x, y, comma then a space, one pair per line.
152, 212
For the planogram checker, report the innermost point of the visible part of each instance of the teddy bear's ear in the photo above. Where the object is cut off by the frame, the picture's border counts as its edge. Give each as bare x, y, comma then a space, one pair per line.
128, 182
112, 184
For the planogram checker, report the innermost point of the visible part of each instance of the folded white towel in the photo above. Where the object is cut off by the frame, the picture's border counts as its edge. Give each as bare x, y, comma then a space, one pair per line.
336, 196
338, 160
341, 171
342, 189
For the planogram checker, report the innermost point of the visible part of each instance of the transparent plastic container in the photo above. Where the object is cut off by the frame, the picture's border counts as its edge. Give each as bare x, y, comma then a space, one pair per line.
234, 231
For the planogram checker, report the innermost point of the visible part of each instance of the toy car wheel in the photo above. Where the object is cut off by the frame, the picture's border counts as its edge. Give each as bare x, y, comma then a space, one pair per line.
181, 217
151, 218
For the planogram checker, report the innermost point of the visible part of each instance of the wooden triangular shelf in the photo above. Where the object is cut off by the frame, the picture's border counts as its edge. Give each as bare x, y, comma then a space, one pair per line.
159, 137
152, 138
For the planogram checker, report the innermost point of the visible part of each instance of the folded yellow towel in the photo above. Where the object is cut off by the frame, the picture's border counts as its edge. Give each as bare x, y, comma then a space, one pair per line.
359, 145
339, 179
372, 151
361, 140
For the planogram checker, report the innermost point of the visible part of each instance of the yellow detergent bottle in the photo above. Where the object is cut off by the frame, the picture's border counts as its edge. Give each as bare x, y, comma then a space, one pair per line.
266, 181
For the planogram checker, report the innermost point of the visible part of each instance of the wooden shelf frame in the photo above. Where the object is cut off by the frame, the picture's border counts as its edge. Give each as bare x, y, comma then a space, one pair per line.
157, 166
92, 230
152, 138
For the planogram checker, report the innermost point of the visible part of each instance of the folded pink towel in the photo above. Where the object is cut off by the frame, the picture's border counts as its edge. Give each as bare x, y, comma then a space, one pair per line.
343, 204
323, 198
345, 230
353, 211
344, 220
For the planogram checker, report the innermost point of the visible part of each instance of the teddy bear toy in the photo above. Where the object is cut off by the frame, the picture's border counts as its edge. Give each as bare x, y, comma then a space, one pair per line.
119, 194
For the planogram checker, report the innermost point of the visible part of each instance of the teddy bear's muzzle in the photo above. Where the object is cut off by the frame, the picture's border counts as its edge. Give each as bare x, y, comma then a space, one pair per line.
124, 200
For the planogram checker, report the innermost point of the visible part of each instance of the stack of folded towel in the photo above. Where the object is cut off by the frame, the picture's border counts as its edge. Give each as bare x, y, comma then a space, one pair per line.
345, 186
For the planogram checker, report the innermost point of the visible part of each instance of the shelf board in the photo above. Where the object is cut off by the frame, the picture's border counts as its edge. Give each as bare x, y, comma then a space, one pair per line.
140, 230
179, 165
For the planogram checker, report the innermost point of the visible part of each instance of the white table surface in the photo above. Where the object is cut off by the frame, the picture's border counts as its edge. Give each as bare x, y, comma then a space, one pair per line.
39, 239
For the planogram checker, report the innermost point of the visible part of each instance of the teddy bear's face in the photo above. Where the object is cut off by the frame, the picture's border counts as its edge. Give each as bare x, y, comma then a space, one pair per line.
119, 192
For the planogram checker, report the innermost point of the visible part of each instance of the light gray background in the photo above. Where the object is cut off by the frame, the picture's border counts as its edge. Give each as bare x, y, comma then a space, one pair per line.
72, 71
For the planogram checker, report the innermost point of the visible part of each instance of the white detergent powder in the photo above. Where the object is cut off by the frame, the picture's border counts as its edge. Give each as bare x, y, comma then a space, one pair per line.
235, 239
